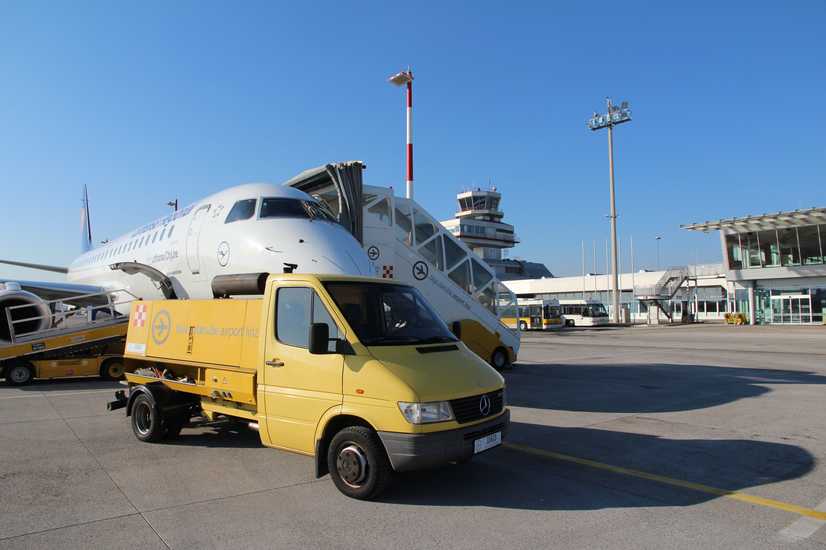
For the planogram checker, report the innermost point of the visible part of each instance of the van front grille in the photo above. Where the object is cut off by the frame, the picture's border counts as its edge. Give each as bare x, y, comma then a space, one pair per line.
469, 409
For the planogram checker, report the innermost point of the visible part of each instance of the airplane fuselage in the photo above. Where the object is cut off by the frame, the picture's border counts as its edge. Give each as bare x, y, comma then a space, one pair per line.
250, 228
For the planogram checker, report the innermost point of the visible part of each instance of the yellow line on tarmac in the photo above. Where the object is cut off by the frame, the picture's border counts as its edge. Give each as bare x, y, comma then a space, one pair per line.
687, 484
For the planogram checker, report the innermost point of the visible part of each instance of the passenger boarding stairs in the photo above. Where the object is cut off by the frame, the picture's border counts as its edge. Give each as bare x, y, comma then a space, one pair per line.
665, 289
405, 243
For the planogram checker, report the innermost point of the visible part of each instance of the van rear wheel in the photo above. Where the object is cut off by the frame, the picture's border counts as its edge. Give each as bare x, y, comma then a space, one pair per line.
147, 422
358, 463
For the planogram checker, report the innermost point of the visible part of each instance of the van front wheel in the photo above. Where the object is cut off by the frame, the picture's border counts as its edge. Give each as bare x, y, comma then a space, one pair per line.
358, 463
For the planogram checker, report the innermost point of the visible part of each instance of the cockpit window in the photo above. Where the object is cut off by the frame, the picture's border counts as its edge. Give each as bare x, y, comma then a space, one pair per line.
293, 208
242, 210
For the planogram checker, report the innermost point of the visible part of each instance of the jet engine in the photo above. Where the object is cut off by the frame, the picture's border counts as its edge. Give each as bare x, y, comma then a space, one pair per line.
34, 316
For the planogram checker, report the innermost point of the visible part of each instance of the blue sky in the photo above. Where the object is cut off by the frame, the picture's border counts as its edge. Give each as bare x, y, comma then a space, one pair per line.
149, 101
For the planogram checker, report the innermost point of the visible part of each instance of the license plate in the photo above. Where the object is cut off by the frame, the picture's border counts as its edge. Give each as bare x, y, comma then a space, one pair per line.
485, 443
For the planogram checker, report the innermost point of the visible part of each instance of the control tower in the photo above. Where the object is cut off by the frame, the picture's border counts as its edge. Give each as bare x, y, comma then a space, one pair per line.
478, 224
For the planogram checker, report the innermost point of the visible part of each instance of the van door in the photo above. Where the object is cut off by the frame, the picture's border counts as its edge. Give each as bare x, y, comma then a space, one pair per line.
298, 387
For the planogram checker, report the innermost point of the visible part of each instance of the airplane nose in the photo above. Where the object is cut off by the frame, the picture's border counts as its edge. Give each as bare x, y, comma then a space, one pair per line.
339, 252
348, 262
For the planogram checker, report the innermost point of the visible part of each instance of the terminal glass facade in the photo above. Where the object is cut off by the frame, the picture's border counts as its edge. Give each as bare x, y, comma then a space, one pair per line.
781, 301
790, 305
785, 247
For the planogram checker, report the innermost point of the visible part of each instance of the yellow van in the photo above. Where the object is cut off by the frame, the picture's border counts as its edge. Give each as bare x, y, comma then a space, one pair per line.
359, 373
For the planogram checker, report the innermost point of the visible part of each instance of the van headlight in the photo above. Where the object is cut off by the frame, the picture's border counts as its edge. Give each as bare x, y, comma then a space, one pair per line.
425, 413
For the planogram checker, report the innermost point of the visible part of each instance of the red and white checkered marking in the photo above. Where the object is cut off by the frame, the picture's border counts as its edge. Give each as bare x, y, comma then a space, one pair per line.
140, 316
387, 272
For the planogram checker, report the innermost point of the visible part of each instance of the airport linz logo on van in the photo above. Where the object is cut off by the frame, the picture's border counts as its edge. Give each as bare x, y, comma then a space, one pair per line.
484, 405
161, 327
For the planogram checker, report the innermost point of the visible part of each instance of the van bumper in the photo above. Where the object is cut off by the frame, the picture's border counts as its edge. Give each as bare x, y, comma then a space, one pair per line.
420, 451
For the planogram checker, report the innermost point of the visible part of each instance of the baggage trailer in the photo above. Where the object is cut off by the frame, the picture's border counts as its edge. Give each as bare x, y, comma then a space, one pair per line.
52, 340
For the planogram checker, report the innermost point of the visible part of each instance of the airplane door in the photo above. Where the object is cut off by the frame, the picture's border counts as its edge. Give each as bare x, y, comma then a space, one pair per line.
192, 253
298, 387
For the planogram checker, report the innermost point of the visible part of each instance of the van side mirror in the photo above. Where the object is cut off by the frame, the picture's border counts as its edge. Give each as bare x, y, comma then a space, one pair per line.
457, 329
319, 338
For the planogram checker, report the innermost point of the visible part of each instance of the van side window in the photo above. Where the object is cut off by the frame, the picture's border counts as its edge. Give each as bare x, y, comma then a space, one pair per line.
321, 315
292, 321
295, 308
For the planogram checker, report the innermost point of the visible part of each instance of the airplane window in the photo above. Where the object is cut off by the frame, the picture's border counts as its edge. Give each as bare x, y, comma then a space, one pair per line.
140, 244
283, 208
169, 235
162, 232
241, 210
155, 236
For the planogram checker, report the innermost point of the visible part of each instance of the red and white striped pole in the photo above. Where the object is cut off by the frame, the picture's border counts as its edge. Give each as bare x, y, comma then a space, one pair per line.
400, 80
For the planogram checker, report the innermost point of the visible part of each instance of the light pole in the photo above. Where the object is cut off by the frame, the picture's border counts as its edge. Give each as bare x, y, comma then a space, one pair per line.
658, 252
400, 80
616, 115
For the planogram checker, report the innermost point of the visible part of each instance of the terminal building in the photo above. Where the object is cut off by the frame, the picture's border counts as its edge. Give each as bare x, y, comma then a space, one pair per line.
776, 265
773, 272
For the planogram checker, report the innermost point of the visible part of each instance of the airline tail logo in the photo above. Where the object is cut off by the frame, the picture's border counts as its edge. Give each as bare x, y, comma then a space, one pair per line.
140, 316
85, 224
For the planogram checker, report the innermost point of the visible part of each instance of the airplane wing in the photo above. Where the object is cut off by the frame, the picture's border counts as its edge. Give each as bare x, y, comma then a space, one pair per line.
51, 268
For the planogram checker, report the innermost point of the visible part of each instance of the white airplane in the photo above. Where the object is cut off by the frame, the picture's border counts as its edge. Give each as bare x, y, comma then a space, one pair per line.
223, 244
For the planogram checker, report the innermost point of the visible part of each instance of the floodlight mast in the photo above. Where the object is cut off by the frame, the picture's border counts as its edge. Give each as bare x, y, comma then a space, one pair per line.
400, 80
615, 115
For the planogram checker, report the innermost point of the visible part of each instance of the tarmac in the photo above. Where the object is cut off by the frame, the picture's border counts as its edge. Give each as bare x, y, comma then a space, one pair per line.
667, 436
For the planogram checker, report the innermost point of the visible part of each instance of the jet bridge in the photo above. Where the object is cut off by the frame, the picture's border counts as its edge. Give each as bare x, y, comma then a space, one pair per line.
405, 243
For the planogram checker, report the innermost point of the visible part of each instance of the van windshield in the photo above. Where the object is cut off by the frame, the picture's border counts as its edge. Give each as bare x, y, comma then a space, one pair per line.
385, 314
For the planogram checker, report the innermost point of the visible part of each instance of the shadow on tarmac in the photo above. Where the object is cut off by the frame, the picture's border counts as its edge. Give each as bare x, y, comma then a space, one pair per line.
223, 433
528, 480
518, 479
640, 388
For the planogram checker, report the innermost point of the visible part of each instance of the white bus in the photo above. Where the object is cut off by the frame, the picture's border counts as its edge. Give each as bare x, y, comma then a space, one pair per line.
536, 314
584, 313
